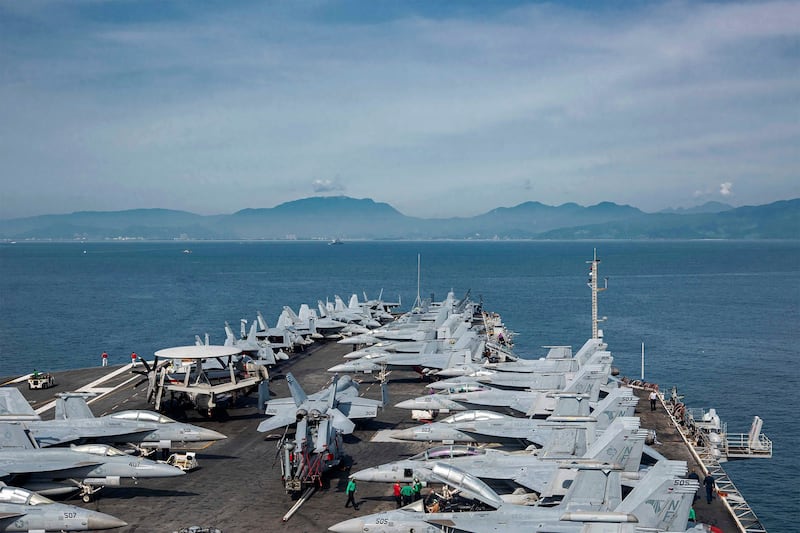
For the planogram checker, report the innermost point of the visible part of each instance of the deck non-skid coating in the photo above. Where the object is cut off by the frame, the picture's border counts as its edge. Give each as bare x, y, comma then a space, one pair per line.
238, 488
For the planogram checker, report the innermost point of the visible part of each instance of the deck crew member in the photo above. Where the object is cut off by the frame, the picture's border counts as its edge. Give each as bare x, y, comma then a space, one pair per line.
351, 494
653, 398
105, 359
396, 491
710, 484
407, 493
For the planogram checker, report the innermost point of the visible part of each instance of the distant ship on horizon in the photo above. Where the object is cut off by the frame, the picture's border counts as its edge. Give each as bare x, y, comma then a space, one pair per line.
336, 241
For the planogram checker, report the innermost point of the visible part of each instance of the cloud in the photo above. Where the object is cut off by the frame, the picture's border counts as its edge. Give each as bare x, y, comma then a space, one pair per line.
324, 186
725, 188
485, 106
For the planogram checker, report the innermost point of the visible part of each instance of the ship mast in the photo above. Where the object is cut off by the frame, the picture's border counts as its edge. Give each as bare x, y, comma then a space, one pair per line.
593, 276
418, 301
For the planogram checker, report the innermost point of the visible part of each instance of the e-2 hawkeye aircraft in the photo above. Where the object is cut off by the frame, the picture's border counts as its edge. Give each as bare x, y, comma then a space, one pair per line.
207, 377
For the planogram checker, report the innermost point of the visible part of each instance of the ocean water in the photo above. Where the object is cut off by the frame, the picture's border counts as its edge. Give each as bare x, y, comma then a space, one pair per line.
719, 319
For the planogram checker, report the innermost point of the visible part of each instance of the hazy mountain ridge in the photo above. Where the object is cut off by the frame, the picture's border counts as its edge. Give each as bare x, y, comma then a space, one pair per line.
708, 207
351, 218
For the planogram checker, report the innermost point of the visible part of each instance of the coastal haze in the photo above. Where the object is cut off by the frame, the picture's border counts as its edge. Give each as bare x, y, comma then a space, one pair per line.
342, 217
717, 317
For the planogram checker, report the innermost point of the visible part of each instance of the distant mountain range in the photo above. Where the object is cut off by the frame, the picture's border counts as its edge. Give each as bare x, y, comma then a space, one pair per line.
346, 218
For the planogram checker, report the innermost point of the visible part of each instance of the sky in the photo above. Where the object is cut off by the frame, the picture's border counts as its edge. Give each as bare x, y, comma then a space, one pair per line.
438, 108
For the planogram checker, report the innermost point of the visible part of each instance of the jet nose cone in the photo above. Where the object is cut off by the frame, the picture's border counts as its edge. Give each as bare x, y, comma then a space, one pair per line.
405, 434
410, 404
210, 434
344, 367
96, 520
163, 470
368, 474
354, 525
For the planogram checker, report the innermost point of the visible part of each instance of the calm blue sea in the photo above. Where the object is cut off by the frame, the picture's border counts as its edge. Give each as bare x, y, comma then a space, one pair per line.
719, 319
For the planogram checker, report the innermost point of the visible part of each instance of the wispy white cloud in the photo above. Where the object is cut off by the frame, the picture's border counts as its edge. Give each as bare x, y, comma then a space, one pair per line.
326, 186
244, 104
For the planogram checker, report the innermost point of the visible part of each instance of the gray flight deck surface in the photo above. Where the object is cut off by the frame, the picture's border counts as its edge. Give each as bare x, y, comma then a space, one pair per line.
237, 487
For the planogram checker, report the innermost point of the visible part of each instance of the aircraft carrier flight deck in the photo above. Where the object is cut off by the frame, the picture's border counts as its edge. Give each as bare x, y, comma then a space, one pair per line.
237, 487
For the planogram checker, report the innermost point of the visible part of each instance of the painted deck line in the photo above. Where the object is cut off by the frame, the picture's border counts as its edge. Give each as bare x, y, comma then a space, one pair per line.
92, 387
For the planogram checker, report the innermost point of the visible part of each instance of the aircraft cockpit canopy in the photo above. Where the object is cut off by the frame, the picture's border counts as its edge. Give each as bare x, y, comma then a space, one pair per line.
99, 449
466, 387
22, 496
471, 416
143, 416
443, 452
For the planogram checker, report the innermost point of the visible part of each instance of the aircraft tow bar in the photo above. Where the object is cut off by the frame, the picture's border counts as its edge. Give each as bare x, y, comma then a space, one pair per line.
306, 495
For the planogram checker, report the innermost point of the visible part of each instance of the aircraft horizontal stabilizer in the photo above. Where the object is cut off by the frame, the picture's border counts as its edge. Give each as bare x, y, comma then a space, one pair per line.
341, 422
277, 421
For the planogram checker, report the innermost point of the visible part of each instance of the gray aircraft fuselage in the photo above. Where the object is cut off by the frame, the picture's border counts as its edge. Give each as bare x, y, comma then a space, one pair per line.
23, 510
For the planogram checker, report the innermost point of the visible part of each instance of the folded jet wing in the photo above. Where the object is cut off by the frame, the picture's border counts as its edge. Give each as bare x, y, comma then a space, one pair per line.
339, 401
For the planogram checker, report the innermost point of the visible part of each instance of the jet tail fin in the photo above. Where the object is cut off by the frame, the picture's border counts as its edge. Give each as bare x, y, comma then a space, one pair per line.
251, 335
262, 324
72, 405
663, 498
14, 406
596, 486
588, 380
230, 338
621, 443
298, 394
619, 402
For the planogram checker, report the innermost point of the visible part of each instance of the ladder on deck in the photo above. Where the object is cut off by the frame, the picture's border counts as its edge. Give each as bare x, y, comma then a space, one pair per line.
744, 515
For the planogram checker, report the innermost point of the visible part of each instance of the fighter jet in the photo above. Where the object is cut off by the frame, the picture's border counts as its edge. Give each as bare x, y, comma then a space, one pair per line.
250, 344
622, 443
463, 397
322, 418
524, 380
488, 426
320, 328
418, 325
353, 312
465, 348
379, 308
23, 510
661, 502
88, 467
445, 337
283, 337
339, 401
75, 422
558, 359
